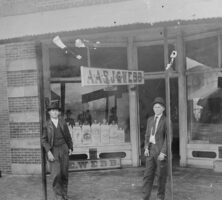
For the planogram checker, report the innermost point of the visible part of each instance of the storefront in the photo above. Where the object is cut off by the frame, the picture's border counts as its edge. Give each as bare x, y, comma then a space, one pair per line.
194, 77
102, 117
111, 121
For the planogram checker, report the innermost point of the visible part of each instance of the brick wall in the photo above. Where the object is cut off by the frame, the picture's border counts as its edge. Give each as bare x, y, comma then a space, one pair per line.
16, 7
26, 156
23, 50
22, 78
24, 130
5, 156
23, 106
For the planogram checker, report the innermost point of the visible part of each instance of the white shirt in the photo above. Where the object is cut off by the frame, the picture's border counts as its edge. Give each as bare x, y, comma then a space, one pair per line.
55, 121
152, 137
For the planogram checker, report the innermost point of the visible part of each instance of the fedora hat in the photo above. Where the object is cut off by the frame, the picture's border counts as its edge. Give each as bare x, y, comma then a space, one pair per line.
160, 101
54, 104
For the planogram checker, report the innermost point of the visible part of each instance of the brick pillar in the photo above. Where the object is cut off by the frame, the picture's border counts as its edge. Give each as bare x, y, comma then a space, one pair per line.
5, 151
23, 105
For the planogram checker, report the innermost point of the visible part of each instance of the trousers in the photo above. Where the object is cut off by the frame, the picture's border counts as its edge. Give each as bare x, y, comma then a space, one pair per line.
59, 170
154, 167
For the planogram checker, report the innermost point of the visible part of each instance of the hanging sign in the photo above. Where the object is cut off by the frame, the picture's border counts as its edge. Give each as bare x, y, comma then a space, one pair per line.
100, 76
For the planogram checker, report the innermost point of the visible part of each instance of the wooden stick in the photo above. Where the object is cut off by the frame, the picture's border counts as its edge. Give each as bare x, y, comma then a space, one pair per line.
168, 110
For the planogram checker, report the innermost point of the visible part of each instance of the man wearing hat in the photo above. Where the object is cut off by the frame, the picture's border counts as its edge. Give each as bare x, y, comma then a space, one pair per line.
57, 143
156, 151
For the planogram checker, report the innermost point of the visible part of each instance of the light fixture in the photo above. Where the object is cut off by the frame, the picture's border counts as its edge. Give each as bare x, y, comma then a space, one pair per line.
79, 43
58, 42
86, 43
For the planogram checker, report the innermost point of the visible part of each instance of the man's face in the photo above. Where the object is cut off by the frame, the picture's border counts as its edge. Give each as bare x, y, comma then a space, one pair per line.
54, 113
158, 109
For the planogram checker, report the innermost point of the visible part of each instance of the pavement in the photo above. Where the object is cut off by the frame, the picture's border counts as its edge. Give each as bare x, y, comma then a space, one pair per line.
116, 184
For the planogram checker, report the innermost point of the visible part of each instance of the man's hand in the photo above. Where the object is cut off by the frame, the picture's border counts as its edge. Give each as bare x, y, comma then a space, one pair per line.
161, 156
146, 152
50, 156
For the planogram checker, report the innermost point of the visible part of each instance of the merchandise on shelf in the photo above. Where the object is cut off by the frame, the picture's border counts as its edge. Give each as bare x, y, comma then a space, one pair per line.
113, 134
77, 135
104, 128
86, 134
97, 134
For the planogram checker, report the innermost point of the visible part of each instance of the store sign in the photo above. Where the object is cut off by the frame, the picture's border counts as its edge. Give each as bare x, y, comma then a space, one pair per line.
79, 165
99, 76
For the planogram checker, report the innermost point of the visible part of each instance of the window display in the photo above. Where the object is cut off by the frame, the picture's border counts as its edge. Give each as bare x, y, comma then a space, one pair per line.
151, 58
97, 116
96, 119
204, 93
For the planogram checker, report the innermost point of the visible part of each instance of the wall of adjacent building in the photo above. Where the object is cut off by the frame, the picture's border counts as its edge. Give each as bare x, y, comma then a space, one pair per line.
19, 109
5, 154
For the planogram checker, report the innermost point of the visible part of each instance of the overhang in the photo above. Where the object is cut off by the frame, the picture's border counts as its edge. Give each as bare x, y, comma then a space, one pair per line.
107, 16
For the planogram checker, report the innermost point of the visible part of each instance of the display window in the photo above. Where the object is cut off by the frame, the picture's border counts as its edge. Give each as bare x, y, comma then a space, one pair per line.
109, 57
151, 58
63, 65
204, 91
203, 51
96, 115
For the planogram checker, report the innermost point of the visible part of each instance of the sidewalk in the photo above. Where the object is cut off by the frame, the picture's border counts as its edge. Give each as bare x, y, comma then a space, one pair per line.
119, 184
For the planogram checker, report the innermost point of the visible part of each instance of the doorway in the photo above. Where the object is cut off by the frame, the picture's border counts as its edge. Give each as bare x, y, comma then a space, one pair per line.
153, 88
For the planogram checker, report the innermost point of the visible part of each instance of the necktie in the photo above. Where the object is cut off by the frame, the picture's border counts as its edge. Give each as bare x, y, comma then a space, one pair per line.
154, 126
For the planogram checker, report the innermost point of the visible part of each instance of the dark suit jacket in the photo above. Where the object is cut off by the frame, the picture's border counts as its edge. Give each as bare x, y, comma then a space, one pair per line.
48, 135
161, 134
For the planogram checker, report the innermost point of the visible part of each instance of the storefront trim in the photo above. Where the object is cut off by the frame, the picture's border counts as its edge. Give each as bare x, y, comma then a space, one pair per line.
200, 161
182, 98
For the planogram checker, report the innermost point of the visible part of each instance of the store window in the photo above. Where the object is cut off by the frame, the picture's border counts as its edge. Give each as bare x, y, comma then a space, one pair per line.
96, 115
204, 92
203, 51
109, 57
99, 115
64, 65
151, 58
